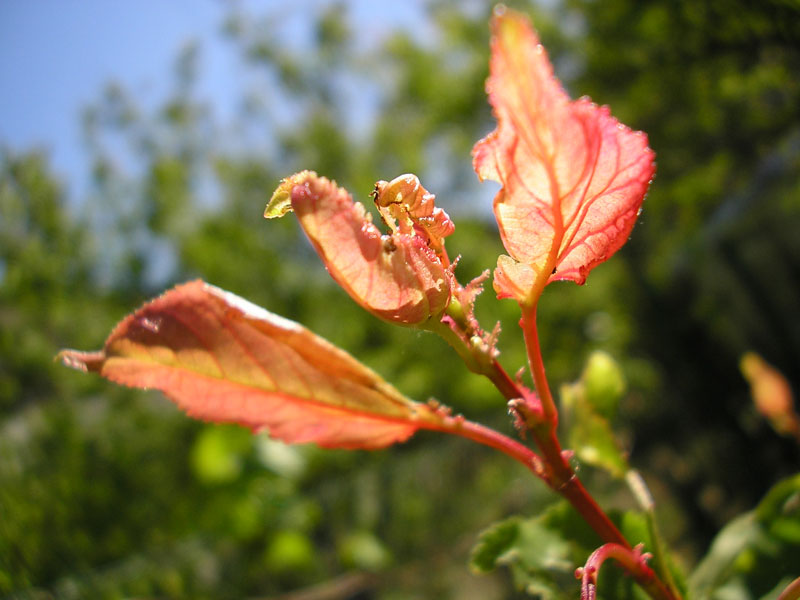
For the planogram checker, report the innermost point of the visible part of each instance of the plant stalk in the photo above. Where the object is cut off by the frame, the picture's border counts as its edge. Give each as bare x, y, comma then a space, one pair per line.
553, 465
563, 477
536, 363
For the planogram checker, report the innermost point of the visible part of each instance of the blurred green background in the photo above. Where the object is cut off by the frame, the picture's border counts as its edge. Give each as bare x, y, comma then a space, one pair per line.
112, 493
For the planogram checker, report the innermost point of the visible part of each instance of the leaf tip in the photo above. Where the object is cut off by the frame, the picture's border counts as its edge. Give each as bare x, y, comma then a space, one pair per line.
281, 201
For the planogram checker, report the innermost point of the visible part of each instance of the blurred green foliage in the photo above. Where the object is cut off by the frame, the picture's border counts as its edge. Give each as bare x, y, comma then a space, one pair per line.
754, 555
109, 493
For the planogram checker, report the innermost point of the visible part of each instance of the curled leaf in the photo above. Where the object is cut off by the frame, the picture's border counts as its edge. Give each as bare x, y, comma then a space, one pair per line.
573, 177
399, 277
223, 359
408, 207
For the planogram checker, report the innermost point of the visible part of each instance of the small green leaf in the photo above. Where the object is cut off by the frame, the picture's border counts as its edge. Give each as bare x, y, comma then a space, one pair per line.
281, 201
541, 555
542, 549
541, 561
782, 499
493, 543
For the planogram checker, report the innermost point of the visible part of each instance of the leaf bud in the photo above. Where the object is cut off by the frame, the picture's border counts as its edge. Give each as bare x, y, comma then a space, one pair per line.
399, 277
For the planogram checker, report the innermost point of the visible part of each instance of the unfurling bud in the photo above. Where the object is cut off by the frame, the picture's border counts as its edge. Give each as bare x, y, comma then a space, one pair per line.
401, 277
406, 206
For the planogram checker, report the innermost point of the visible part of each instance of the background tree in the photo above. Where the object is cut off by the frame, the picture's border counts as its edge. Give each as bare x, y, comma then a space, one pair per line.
107, 493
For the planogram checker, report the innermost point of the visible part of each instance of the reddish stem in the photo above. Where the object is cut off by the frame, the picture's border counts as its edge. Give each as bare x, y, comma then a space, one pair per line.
553, 466
494, 439
503, 382
544, 432
632, 560
531, 333
563, 478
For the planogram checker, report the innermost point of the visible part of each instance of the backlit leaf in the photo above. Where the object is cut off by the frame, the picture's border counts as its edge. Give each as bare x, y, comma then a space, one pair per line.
573, 177
223, 359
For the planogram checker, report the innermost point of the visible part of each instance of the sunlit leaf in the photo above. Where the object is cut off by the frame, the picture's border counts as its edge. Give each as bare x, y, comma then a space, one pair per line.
573, 177
223, 359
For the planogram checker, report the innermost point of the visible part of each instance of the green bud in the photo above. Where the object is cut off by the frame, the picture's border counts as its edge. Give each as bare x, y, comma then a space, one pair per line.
603, 383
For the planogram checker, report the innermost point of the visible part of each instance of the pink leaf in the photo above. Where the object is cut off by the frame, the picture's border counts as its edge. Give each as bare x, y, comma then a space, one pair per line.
573, 177
223, 359
398, 277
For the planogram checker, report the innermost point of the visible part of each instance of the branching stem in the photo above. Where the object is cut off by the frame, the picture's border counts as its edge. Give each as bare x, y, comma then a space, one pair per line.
553, 465
494, 439
541, 420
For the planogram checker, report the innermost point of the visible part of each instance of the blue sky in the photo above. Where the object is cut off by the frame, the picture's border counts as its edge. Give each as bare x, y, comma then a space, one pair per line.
56, 56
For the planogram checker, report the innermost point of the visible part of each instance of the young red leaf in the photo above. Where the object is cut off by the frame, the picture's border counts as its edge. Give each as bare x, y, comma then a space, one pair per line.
398, 277
223, 359
573, 177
